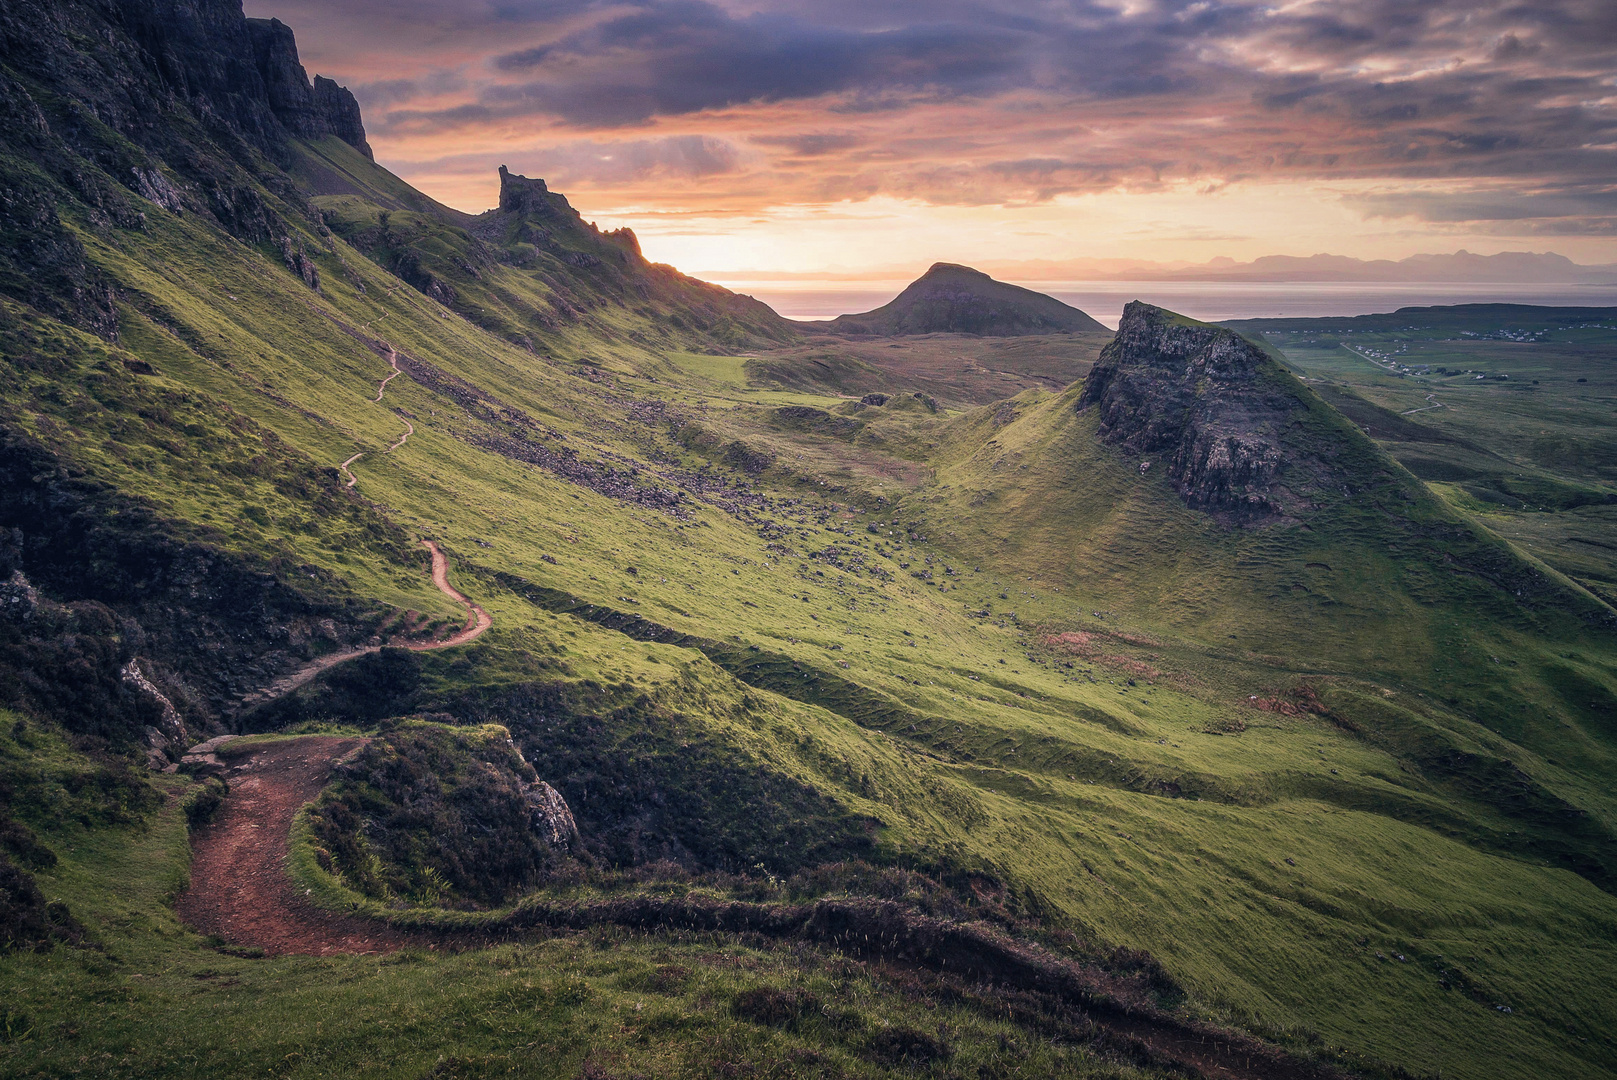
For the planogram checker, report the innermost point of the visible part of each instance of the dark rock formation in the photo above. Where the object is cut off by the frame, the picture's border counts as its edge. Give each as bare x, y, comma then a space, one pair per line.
182, 93
337, 106
951, 299
1208, 402
552, 818
528, 197
305, 111
135, 60
523, 195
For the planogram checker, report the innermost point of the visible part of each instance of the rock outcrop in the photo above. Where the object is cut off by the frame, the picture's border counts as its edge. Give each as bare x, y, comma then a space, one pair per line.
337, 106
522, 194
951, 299
181, 92
204, 54
552, 818
169, 723
305, 111
1207, 402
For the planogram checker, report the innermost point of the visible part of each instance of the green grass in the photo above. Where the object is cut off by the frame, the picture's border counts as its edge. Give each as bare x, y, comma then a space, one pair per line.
1157, 815
153, 999
725, 370
1508, 411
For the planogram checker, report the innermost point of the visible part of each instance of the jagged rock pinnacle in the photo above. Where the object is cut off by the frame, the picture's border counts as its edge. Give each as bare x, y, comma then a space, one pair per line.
521, 194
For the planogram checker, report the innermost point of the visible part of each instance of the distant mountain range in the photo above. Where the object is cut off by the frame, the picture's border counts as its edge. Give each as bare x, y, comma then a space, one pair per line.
1513, 267
1507, 266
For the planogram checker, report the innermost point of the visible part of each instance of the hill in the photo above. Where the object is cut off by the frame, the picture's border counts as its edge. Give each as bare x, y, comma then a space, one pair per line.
806, 735
951, 299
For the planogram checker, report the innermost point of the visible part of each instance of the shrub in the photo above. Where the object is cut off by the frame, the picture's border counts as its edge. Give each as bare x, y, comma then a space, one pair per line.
435, 814
906, 1046
203, 801
26, 920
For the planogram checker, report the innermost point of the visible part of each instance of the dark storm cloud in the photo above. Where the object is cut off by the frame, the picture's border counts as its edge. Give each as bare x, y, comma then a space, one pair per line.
685, 56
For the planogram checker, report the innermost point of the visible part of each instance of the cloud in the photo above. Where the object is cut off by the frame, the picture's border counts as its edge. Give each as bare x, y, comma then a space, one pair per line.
1581, 211
982, 101
385, 92
675, 57
808, 144
602, 162
687, 157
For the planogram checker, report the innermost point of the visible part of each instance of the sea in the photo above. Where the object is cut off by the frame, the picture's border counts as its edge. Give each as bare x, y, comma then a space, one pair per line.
1212, 301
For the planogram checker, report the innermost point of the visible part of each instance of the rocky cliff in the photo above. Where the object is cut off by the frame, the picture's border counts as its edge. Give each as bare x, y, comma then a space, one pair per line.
305, 111
113, 106
136, 61
1207, 406
951, 299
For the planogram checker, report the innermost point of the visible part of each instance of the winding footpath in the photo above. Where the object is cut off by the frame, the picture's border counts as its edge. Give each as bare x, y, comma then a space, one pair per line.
381, 388
242, 894
240, 890
478, 622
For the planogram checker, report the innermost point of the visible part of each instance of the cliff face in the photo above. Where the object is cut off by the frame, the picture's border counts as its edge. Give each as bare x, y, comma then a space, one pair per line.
1206, 405
136, 60
522, 194
305, 111
951, 299
108, 102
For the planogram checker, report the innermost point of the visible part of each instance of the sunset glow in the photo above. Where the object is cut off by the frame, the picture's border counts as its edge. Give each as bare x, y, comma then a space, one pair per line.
868, 140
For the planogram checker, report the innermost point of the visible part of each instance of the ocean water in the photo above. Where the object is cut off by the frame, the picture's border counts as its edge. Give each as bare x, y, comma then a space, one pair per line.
1216, 301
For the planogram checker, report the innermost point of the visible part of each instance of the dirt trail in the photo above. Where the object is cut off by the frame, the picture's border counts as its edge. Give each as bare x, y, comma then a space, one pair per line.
1435, 404
381, 388
240, 890
478, 622
392, 359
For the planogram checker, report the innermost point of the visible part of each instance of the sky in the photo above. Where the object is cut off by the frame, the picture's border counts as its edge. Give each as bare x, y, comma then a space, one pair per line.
850, 139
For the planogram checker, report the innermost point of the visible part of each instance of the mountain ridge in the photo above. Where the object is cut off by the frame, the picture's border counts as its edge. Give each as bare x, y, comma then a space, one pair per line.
1506, 267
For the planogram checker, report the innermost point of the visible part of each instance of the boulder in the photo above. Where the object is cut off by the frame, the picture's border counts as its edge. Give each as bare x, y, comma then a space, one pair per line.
551, 816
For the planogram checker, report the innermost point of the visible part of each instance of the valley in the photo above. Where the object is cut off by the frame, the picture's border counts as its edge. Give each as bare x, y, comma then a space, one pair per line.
1190, 685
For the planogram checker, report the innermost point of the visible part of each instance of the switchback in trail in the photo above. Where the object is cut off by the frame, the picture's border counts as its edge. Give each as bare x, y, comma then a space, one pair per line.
381, 388
240, 890
478, 622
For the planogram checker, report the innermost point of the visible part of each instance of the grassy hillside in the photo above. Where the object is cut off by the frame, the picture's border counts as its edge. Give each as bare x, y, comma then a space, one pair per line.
1504, 410
1346, 786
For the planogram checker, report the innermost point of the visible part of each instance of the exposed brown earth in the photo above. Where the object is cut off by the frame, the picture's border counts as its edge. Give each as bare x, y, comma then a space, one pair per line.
240, 890
478, 622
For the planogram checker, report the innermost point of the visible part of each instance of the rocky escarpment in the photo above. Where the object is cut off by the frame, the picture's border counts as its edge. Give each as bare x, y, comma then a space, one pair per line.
208, 56
115, 109
306, 111
1207, 406
952, 299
